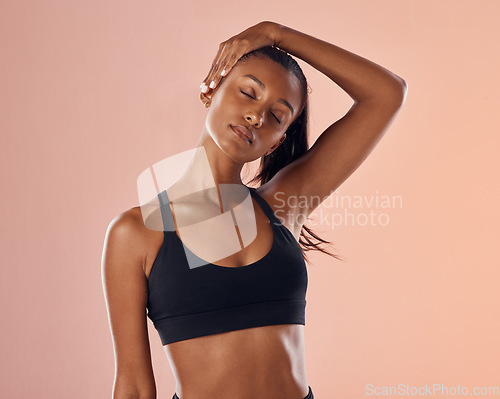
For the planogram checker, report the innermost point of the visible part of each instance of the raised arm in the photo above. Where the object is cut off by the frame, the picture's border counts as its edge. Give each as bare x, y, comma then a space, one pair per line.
125, 290
378, 95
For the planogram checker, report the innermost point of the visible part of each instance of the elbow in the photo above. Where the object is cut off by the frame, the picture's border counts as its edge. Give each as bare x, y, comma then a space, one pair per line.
126, 389
136, 395
391, 96
395, 97
400, 92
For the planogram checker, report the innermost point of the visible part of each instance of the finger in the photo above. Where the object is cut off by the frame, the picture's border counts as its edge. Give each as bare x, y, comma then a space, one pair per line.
215, 75
232, 58
230, 62
214, 70
205, 83
229, 59
212, 67
229, 56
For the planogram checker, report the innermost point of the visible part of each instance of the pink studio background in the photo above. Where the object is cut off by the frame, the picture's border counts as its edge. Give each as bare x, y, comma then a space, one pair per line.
93, 94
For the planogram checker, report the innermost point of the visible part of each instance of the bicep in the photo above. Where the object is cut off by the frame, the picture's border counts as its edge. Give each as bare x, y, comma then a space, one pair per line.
125, 289
337, 153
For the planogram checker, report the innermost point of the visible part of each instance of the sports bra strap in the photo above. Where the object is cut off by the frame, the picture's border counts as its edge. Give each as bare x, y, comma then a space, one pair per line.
265, 206
166, 214
168, 220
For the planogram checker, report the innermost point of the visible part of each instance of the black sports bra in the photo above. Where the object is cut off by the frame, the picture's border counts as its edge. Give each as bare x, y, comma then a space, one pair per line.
185, 303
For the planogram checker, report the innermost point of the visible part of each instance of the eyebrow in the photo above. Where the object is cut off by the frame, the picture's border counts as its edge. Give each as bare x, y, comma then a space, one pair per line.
281, 100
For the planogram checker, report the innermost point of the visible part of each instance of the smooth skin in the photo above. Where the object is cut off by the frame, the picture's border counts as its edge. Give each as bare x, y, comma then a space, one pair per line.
265, 362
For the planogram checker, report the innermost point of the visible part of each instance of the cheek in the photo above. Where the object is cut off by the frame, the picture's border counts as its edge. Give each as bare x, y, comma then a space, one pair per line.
215, 116
223, 111
214, 126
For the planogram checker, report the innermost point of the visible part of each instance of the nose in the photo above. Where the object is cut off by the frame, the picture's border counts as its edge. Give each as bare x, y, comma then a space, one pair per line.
254, 119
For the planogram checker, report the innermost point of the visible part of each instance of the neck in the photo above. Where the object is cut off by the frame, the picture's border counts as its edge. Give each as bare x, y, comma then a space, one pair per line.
207, 168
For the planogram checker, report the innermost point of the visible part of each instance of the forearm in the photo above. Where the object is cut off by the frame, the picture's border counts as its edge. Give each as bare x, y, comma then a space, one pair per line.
362, 79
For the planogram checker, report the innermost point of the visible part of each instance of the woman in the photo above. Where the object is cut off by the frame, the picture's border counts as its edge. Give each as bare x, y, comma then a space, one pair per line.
234, 328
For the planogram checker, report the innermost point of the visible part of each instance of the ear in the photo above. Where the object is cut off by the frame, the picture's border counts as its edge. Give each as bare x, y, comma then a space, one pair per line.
206, 99
276, 145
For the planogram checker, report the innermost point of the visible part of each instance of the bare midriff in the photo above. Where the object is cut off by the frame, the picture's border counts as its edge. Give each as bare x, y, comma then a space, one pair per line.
261, 362
265, 362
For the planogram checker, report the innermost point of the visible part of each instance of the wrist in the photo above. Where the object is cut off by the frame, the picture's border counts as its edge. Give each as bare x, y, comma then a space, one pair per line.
275, 33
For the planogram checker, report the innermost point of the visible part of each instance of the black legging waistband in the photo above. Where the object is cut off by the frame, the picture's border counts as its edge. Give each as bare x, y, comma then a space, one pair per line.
309, 395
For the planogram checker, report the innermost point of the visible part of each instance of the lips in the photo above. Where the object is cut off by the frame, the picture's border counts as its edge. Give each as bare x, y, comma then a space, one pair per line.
243, 131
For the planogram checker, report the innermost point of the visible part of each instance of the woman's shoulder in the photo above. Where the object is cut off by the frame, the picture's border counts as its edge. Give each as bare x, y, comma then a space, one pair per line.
127, 222
127, 233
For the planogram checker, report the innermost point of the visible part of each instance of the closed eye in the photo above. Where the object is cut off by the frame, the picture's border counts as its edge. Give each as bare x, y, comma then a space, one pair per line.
246, 94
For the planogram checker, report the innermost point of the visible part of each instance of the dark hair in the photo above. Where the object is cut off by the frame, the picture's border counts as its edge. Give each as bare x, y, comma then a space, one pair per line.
296, 142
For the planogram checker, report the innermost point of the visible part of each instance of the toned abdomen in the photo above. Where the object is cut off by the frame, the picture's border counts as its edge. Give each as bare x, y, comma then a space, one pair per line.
265, 361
